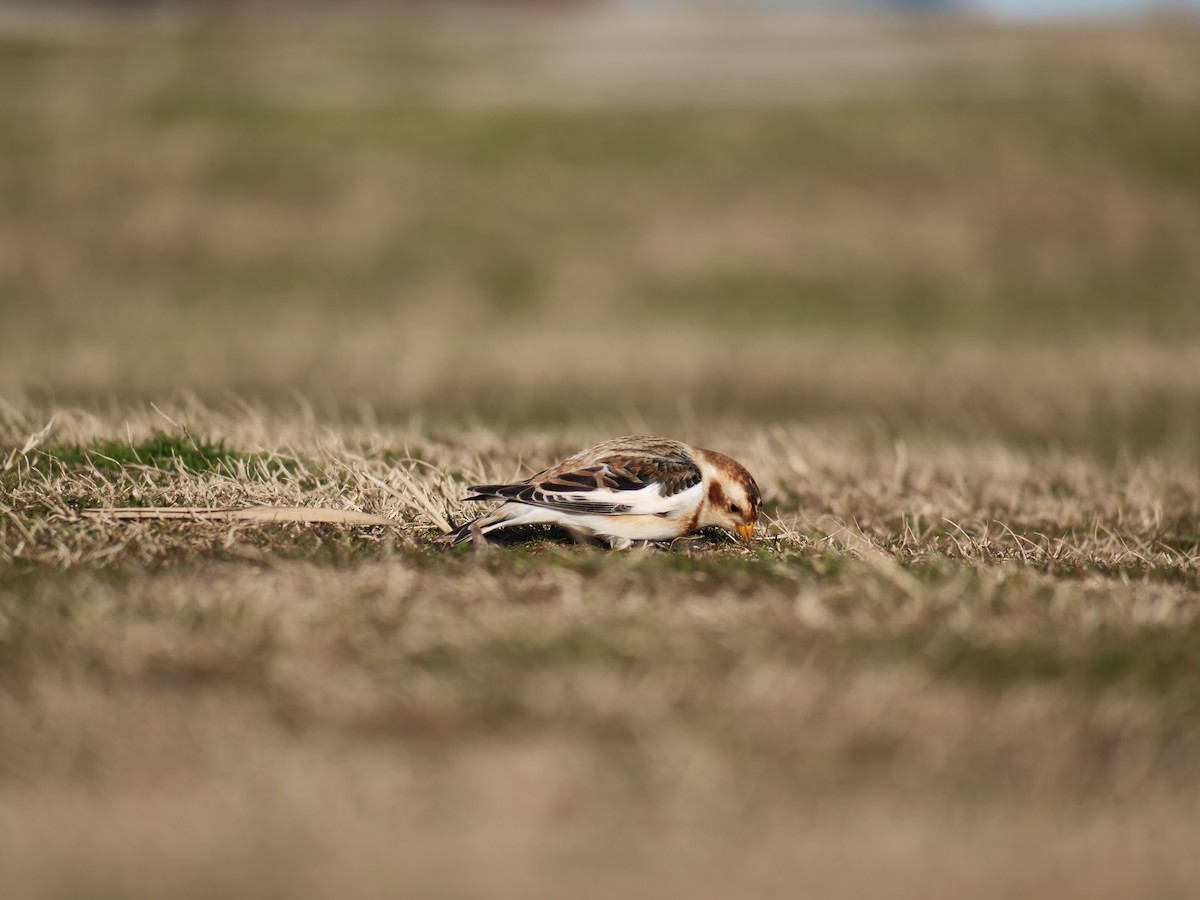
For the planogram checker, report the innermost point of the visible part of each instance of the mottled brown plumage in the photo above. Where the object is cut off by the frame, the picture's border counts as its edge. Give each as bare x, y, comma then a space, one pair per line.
623, 464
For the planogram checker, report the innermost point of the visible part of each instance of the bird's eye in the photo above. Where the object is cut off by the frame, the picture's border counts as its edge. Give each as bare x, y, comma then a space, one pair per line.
735, 509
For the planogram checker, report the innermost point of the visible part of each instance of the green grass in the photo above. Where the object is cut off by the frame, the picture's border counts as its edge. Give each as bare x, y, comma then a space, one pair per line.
1153, 660
162, 450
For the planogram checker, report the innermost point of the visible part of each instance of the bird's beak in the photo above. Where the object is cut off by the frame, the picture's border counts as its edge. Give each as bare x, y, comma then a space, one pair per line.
744, 531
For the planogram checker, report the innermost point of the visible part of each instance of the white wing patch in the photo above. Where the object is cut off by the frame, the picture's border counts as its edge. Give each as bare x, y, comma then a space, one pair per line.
647, 501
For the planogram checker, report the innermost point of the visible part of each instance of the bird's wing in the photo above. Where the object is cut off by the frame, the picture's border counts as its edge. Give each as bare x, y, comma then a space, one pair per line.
611, 479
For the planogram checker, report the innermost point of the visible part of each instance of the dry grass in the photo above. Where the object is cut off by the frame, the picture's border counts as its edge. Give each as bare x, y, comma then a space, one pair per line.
995, 647
952, 331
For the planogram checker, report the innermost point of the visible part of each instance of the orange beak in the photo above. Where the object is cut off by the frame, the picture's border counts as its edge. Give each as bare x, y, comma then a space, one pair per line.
744, 531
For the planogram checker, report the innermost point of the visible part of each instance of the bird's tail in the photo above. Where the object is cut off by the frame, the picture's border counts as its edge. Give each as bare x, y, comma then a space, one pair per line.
476, 528
459, 535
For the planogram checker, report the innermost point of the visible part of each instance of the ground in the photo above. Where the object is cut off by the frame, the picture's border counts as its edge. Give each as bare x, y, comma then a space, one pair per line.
945, 313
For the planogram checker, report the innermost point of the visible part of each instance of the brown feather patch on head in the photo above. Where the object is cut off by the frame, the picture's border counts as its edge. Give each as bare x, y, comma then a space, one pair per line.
752, 491
716, 494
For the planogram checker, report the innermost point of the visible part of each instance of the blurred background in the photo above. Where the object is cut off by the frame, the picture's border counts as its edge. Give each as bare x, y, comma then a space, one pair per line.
975, 217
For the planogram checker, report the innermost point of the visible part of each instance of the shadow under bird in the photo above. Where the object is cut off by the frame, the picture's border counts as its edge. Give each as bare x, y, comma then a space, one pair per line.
625, 492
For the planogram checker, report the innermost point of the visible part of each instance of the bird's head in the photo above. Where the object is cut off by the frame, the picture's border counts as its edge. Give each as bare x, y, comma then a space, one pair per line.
732, 500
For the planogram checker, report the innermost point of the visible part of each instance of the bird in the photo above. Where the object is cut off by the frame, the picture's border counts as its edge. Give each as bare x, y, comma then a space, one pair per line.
625, 492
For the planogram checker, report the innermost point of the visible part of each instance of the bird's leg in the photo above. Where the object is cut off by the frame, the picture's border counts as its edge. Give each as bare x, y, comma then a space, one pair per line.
651, 546
581, 538
479, 543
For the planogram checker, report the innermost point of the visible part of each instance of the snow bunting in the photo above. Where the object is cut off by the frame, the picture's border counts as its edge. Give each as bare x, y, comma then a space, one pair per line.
625, 491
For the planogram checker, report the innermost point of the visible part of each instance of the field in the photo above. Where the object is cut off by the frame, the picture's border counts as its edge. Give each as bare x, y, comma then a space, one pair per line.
942, 302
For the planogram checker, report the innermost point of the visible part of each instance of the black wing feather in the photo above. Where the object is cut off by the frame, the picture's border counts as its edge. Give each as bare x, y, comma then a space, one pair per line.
534, 496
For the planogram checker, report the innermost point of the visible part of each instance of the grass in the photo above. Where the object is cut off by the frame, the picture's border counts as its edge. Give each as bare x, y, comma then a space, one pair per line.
160, 451
948, 322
